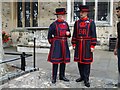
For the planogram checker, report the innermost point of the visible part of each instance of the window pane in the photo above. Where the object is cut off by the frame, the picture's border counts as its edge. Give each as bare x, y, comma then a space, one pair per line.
77, 3
103, 11
91, 9
19, 14
35, 14
27, 14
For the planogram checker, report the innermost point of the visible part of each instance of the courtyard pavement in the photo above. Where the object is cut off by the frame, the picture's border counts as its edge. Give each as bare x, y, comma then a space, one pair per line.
103, 72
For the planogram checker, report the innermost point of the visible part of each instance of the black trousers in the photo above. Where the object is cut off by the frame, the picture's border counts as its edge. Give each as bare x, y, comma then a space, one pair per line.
61, 70
84, 70
118, 54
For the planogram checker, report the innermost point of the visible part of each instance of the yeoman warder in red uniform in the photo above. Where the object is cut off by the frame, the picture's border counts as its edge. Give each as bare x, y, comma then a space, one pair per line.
59, 51
84, 41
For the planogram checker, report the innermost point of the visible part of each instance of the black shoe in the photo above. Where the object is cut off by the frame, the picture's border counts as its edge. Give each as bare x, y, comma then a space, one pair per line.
64, 79
87, 84
53, 81
117, 85
79, 80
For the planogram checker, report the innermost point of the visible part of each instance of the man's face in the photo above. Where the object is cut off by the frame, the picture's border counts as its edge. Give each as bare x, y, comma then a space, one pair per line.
83, 14
62, 17
118, 13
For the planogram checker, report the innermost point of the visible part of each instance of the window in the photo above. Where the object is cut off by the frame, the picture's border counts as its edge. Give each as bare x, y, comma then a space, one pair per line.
91, 5
103, 11
19, 14
27, 14
100, 11
91, 9
77, 3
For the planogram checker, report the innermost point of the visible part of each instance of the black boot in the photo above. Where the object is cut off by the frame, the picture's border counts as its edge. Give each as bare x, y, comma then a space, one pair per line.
79, 80
87, 84
64, 78
62, 72
54, 73
117, 85
81, 71
53, 81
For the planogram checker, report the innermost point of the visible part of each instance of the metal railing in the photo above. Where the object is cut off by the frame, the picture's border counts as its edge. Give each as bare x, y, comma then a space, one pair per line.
22, 57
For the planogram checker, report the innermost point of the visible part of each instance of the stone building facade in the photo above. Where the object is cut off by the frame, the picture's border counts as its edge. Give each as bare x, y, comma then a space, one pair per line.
0, 34
20, 16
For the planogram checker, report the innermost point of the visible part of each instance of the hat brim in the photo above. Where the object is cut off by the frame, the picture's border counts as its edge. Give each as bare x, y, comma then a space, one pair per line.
60, 14
82, 11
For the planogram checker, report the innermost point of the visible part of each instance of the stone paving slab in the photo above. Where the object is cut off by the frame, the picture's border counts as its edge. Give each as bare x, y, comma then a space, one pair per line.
60, 89
42, 79
103, 73
15, 73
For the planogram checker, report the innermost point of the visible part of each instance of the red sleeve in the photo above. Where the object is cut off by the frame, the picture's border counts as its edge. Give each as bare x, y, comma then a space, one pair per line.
74, 45
92, 46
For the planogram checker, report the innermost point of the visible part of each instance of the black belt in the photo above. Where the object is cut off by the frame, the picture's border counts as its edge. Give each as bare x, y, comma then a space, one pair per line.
84, 38
60, 37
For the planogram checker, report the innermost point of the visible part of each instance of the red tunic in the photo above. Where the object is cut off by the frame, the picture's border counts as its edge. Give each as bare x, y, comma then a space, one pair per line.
59, 50
84, 38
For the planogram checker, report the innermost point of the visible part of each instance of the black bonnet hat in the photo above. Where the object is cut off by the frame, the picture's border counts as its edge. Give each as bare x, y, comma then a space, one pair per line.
60, 11
83, 8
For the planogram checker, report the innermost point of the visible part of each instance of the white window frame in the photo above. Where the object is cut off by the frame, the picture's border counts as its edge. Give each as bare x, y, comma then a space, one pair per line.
104, 23
98, 23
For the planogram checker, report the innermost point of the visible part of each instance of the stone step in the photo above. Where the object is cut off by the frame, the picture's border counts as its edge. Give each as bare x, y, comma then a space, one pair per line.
38, 49
31, 49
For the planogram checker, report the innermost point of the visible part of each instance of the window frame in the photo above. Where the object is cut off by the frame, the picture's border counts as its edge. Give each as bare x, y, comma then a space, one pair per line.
70, 15
23, 15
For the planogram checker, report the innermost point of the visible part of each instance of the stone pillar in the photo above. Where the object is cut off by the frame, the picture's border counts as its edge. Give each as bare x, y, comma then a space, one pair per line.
0, 32
1, 48
3, 67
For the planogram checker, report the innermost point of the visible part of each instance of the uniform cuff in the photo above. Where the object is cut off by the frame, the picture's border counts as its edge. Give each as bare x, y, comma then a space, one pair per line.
69, 35
92, 46
50, 41
74, 45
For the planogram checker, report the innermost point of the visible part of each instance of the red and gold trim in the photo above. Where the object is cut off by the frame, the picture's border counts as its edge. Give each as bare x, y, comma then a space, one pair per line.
60, 13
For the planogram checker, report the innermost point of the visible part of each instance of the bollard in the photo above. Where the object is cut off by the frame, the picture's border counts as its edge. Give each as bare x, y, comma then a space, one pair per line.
23, 63
34, 49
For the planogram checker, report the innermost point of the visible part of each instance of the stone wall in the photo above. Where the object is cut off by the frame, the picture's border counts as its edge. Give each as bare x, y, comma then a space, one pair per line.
46, 16
104, 33
3, 67
6, 17
47, 10
0, 34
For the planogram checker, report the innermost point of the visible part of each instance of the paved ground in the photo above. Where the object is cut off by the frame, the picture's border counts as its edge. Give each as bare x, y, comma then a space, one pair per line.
103, 72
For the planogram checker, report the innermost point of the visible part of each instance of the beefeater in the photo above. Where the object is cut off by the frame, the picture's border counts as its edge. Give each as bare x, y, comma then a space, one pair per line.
59, 51
84, 41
